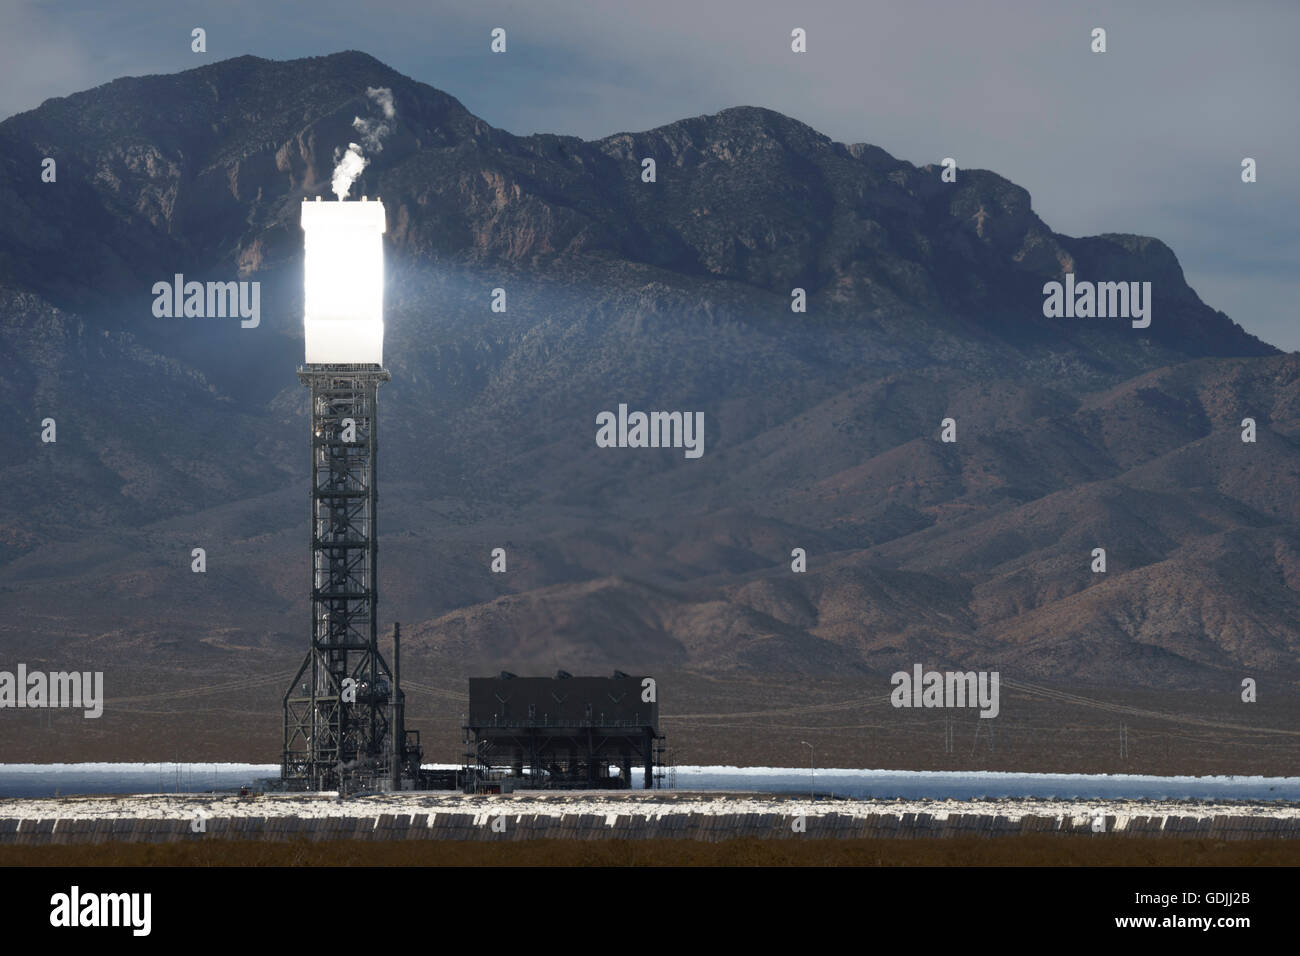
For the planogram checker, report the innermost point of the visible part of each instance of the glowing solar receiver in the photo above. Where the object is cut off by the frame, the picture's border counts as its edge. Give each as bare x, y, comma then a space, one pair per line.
344, 282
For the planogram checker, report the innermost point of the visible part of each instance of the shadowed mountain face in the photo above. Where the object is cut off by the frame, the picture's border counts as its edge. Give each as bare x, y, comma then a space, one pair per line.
821, 428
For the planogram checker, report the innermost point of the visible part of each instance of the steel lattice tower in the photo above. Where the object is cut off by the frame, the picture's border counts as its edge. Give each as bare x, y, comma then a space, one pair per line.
338, 732
344, 712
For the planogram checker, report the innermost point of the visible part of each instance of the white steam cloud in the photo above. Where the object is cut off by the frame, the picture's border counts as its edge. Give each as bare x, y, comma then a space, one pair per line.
350, 163
348, 169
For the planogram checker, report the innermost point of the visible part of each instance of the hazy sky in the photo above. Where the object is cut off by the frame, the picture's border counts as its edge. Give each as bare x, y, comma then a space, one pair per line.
1145, 138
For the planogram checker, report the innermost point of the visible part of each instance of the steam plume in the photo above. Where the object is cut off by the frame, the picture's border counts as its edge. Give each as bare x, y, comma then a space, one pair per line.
350, 163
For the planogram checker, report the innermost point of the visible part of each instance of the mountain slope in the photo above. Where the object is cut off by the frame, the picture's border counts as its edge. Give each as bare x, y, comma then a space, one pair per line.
821, 428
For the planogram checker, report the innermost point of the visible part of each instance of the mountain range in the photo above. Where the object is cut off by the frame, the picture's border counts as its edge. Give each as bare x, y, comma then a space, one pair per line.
822, 428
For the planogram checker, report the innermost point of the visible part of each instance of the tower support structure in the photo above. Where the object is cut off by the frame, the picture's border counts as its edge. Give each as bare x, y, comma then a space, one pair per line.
344, 713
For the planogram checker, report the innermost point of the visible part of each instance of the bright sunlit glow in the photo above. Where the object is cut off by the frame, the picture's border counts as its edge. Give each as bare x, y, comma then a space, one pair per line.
344, 294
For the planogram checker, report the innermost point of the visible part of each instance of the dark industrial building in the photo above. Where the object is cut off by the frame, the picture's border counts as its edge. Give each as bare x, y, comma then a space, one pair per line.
563, 732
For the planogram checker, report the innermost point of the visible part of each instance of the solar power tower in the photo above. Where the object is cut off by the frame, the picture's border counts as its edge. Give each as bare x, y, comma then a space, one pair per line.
343, 714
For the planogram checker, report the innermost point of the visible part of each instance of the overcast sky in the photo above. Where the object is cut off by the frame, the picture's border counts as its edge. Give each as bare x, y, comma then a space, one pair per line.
1145, 138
